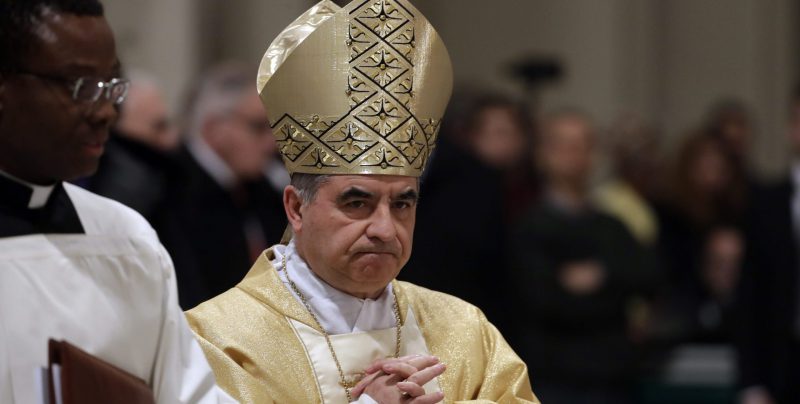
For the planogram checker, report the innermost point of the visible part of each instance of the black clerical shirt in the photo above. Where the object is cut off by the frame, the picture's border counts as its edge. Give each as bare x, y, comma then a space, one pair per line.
58, 215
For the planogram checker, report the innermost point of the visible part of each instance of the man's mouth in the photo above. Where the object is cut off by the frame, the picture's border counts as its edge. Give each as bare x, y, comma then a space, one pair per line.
94, 147
377, 252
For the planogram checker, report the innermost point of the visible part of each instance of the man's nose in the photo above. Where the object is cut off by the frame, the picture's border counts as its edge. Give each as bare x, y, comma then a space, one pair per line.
382, 225
102, 113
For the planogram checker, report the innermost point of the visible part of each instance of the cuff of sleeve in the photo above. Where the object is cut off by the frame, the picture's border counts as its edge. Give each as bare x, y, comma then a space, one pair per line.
365, 399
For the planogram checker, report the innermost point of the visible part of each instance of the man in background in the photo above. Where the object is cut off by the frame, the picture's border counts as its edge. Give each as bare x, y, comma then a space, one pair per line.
224, 212
136, 169
577, 270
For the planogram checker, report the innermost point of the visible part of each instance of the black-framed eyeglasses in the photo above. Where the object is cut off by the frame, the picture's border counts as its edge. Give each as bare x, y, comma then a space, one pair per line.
89, 89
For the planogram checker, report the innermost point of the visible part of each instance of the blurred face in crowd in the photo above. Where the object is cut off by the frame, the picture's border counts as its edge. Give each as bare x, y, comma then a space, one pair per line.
566, 150
709, 171
243, 137
145, 118
45, 135
724, 251
498, 139
356, 233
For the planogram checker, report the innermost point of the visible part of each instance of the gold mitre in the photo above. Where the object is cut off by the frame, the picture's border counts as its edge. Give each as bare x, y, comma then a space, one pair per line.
359, 89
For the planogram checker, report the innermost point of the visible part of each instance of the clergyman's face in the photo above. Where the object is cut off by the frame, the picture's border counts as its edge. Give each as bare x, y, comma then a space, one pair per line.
357, 232
45, 136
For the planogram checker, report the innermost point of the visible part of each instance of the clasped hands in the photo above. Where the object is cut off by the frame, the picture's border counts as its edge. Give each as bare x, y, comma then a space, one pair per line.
400, 380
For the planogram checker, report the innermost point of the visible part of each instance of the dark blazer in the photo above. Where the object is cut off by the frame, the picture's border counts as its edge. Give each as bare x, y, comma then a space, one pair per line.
134, 174
204, 231
769, 293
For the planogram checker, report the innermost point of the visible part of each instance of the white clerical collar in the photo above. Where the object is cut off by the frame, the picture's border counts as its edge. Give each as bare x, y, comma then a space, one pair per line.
338, 312
39, 193
214, 165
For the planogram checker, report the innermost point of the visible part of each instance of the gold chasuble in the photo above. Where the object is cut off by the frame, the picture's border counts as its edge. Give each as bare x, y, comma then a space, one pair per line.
264, 346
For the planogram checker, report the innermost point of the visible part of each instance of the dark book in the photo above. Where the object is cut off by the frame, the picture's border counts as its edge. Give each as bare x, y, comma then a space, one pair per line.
77, 377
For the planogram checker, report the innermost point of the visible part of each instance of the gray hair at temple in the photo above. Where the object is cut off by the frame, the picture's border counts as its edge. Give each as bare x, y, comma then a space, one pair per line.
307, 185
219, 91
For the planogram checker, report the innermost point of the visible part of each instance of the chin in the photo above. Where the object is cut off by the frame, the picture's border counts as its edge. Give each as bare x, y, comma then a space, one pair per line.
376, 263
86, 170
77, 171
376, 274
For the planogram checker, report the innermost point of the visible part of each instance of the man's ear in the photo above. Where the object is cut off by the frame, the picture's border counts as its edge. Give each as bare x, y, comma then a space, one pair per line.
292, 204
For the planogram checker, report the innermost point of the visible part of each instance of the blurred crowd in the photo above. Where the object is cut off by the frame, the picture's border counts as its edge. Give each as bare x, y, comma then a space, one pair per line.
593, 249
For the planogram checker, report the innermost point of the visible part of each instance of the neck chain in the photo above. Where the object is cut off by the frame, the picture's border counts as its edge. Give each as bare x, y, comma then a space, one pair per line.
346, 384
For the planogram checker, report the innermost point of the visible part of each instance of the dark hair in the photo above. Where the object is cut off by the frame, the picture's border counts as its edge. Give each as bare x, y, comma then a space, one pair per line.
19, 19
728, 203
488, 101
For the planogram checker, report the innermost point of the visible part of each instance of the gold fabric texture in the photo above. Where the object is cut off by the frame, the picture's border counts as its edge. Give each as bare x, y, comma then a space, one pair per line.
356, 90
257, 358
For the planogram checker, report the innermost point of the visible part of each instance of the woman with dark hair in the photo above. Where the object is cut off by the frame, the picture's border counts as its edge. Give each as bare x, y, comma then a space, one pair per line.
707, 189
499, 131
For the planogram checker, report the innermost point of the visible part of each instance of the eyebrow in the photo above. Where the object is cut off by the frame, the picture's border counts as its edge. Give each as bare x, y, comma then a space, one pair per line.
410, 195
357, 193
354, 193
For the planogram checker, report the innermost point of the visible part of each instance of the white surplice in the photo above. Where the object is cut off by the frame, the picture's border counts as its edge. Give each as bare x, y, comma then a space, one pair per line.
111, 292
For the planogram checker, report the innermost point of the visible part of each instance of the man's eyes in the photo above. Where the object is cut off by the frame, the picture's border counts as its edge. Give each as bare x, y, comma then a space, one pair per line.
356, 204
402, 204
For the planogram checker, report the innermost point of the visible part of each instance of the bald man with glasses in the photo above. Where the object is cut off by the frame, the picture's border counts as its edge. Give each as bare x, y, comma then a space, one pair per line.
75, 266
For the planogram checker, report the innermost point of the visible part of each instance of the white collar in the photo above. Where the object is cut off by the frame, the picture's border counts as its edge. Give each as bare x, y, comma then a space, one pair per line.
210, 161
338, 312
39, 193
